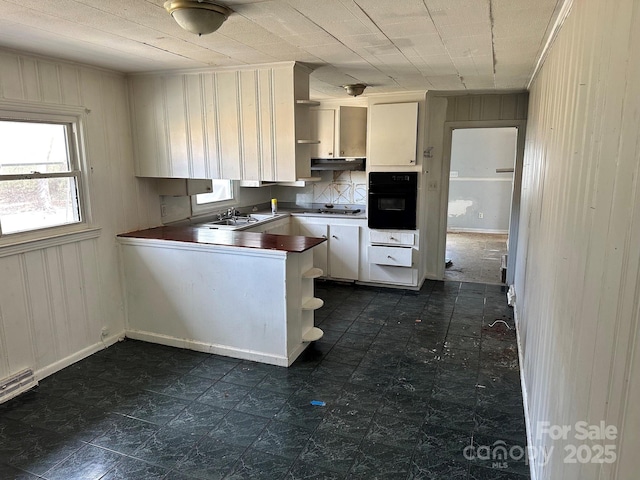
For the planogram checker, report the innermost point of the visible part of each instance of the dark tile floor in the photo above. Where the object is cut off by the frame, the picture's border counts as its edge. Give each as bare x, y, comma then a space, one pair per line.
409, 380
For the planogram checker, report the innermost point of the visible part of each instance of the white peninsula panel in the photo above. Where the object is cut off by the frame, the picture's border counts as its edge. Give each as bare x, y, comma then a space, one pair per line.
245, 303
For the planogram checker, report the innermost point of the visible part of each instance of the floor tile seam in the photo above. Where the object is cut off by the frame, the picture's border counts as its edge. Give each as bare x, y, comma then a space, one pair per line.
146, 462
404, 346
86, 444
313, 432
359, 447
414, 452
246, 448
42, 407
173, 466
22, 470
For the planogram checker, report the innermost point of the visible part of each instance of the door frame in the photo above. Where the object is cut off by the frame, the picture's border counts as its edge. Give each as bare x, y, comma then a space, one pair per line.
514, 219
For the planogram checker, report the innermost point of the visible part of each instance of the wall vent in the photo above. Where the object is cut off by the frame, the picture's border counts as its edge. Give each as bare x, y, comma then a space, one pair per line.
16, 384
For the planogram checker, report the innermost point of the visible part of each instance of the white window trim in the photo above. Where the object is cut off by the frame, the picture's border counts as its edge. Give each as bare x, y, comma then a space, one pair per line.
21, 242
213, 207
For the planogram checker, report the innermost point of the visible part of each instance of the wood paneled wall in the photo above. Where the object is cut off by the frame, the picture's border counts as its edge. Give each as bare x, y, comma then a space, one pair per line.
487, 107
578, 263
54, 301
475, 109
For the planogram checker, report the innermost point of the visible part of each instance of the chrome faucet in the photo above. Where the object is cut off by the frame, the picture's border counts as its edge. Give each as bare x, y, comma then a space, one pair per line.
230, 213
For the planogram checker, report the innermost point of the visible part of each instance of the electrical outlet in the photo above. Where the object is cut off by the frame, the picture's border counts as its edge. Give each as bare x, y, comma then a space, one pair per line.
163, 210
480, 215
104, 332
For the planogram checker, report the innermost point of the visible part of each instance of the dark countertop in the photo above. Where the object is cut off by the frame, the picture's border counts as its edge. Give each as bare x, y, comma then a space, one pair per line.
230, 238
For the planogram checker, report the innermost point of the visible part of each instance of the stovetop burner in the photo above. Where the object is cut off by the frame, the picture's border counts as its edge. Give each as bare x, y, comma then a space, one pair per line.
343, 211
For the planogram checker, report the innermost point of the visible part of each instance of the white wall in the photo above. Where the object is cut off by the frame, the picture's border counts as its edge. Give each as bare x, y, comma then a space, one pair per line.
55, 300
578, 263
474, 186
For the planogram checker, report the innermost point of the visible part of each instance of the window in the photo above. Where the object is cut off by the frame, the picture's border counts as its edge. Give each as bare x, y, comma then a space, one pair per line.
40, 183
223, 194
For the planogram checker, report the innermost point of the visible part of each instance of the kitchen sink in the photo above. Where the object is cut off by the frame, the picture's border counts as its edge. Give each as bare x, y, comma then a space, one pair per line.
232, 221
258, 217
238, 222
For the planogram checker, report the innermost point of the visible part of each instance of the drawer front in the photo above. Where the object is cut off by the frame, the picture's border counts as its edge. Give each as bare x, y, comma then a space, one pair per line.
392, 275
392, 238
394, 256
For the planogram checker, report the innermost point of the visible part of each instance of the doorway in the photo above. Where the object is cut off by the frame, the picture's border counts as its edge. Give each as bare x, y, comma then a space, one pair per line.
481, 186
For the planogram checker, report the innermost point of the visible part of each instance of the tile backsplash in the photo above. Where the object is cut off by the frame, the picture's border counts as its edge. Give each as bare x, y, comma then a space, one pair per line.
338, 188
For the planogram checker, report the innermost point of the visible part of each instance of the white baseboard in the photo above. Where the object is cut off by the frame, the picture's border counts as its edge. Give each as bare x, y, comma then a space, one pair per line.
216, 349
523, 385
77, 356
477, 230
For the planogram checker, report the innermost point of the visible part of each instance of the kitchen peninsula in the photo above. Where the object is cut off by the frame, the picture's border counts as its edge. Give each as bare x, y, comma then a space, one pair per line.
241, 294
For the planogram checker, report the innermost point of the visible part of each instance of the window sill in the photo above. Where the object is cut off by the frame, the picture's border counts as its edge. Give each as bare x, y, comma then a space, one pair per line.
27, 245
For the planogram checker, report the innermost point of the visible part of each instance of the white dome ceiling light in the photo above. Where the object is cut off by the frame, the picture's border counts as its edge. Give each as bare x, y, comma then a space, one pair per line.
197, 16
354, 89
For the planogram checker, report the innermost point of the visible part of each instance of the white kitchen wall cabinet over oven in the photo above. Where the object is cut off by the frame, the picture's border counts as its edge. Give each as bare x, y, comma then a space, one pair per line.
341, 132
244, 124
393, 134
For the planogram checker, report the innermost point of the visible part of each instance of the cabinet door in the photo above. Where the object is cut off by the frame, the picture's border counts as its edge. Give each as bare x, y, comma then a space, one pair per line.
248, 105
168, 126
319, 252
394, 133
344, 251
227, 99
322, 129
148, 122
353, 132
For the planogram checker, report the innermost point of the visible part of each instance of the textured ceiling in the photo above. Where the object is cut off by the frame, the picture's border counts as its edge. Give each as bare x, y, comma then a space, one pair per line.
391, 45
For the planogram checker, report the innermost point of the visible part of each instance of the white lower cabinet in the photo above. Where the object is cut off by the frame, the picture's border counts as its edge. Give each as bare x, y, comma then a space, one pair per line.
339, 256
354, 252
344, 251
392, 257
392, 275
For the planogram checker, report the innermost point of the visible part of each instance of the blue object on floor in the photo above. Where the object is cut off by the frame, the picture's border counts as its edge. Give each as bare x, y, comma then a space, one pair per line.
317, 403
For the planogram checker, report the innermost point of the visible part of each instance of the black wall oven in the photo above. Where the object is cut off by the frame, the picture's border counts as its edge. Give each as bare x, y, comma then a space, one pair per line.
393, 200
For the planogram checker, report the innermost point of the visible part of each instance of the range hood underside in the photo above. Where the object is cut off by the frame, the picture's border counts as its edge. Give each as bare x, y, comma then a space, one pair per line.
357, 164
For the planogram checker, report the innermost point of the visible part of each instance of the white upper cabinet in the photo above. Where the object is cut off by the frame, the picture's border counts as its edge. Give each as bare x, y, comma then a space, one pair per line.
241, 124
346, 137
323, 127
352, 138
394, 134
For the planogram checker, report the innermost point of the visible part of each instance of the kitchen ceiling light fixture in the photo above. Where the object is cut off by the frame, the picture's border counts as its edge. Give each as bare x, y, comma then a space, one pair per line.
197, 16
354, 89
